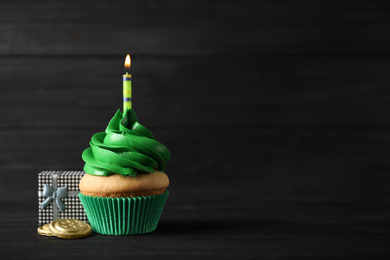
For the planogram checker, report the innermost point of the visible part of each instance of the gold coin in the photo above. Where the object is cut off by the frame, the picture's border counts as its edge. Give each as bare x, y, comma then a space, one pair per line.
45, 231
70, 228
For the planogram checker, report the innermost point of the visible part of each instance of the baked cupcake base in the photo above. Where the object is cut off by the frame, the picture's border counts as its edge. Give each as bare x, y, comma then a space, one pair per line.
124, 216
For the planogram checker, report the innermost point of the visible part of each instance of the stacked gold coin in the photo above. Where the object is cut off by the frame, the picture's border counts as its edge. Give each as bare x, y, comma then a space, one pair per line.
45, 231
66, 228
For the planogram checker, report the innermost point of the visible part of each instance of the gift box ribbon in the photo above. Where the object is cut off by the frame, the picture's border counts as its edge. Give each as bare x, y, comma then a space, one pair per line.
52, 194
55, 194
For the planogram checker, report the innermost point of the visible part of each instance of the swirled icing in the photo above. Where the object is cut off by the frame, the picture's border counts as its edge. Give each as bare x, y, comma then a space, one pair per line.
126, 148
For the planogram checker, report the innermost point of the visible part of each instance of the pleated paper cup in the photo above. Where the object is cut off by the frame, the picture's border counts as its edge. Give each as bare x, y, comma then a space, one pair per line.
124, 216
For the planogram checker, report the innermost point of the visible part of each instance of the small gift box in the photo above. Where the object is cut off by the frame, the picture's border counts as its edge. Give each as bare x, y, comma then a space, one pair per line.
58, 196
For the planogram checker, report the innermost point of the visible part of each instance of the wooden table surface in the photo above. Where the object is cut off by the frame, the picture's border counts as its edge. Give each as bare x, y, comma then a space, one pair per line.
276, 114
221, 225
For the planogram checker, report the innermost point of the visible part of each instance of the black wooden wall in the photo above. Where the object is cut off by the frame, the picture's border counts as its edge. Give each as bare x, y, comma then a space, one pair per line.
266, 98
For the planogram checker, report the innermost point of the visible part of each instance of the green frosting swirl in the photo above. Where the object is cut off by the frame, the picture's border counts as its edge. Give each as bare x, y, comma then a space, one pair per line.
126, 148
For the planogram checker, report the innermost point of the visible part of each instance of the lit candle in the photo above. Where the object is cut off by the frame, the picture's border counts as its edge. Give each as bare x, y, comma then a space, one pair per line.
127, 85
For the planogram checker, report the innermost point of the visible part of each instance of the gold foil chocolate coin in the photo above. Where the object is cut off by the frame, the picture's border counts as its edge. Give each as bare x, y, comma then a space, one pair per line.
45, 231
70, 228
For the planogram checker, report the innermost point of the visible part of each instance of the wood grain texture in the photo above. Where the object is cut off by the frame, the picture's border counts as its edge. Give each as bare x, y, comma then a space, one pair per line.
193, 27
194, 227
287, 162
276, 114
60, 77
256, 91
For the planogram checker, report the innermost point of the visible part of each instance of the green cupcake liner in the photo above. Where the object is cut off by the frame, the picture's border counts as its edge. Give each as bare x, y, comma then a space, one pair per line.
124, 216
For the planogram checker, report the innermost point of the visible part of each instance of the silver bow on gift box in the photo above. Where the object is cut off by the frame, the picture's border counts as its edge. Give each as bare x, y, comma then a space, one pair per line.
56, 195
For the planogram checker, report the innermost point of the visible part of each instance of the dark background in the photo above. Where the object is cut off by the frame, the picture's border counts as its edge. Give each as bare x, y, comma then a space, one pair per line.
277, 115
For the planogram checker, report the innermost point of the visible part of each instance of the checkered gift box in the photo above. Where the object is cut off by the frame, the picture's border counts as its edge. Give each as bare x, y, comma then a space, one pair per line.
58, 196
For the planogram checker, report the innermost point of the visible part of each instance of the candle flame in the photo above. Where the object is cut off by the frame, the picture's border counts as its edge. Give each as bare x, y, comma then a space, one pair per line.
127, 62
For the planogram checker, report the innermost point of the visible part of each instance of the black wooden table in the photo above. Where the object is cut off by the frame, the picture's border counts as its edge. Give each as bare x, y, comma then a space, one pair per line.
221, 224
291, 96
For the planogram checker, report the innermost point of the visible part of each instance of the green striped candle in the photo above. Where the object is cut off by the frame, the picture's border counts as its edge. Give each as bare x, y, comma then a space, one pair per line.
127, 85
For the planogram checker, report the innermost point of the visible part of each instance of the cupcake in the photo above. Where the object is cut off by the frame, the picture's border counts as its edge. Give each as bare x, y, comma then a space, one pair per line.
125, 188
